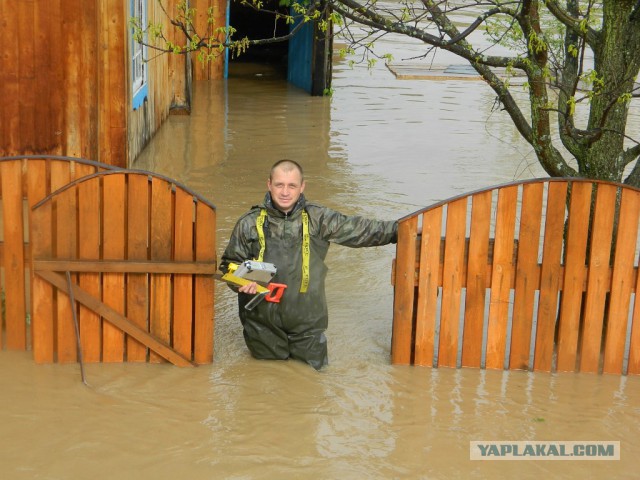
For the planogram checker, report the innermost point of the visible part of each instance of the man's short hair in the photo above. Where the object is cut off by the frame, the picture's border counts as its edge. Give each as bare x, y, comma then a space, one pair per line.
287, 166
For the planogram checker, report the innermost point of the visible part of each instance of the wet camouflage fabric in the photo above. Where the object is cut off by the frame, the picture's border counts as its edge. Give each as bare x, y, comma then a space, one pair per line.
295, 326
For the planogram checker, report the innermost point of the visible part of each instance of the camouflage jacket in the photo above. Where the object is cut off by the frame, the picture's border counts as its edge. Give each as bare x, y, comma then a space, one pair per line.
283, 236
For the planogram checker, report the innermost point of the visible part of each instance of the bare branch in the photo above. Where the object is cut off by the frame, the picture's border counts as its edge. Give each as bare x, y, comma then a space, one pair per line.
572, 23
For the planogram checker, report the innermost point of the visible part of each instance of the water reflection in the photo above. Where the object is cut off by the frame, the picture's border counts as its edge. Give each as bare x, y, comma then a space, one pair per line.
249, 419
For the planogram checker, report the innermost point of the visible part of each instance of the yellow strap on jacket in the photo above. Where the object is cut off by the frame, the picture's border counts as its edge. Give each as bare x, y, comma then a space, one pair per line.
306, 247
306, 252
260, 227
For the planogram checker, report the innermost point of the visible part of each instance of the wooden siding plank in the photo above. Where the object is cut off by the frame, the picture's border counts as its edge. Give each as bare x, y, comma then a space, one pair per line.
105, 94
40, 235
452, 281
65, 218
404, 286
117, 79
203, 70
89, 249
9, 80
138, 190
176, 71
113, 78
574, 271
527, 275
203, 335
478, 259
113, 240
160, 249
87, 92
13, 256
25, 44
73, 74
43, 24
622, 281
427, 306
183, 284
56, 75
501, 276
550, 276
598, 277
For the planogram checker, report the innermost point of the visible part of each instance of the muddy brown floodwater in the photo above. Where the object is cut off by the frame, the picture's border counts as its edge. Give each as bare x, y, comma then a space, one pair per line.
379, 147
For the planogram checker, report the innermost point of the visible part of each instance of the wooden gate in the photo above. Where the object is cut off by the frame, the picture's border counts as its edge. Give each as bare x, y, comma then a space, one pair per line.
24, 181
539, 275
137, 252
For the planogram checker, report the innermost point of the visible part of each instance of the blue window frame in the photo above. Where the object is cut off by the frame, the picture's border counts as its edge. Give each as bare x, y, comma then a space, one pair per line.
138, 66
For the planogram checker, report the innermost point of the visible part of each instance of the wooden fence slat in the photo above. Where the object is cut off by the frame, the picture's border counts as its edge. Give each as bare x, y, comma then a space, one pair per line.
476, 279
65, 247
89, 249
550, 272
501, 276
160, 249
572, 296
427, 305
13, 256
137, 249
634, 349
401, 339
574, 271
113, 239
622, 281
598, 277
104, 197
40, 238
203, 335
183, 284
527, 275
452, 281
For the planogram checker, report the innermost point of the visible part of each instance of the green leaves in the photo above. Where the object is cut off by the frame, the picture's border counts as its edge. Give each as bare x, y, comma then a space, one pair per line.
536, 43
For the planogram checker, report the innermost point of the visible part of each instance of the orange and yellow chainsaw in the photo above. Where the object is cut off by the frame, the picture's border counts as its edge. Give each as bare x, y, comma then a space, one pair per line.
259, 272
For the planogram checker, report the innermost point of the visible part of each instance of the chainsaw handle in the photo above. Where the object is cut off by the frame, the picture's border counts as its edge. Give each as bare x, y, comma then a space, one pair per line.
276, 290
273, 293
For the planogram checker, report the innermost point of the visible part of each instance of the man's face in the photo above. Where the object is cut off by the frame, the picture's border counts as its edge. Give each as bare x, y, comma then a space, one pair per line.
285, 188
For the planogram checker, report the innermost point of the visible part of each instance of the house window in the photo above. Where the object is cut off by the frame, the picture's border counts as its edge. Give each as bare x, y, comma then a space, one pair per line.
138, 66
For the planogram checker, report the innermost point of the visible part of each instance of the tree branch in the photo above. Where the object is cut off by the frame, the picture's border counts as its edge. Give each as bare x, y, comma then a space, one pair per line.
590, 35
631, 154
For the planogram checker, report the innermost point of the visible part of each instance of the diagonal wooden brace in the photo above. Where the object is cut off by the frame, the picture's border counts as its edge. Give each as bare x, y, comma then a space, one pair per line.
116, 319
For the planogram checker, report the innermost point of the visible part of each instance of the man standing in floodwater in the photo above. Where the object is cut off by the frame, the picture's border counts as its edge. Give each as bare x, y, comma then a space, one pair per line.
294, 235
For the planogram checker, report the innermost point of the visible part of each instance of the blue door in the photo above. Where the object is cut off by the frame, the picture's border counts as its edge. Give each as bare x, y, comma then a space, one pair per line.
299, 72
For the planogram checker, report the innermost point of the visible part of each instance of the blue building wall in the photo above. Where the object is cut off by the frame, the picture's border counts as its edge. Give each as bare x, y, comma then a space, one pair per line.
301, 57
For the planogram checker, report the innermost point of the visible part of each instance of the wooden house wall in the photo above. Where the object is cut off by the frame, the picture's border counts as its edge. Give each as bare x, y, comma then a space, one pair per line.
146, 119
62, 84
48, 78
213, 70
170, 76
65, 81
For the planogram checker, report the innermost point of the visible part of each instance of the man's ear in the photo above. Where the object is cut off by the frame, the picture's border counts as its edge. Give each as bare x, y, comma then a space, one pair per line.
302, 187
